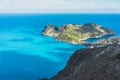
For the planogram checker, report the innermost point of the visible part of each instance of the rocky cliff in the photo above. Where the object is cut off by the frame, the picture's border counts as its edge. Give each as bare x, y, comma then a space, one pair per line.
73, 33
101, 63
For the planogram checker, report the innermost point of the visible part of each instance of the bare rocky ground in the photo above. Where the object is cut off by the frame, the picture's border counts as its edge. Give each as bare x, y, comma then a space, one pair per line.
101, 63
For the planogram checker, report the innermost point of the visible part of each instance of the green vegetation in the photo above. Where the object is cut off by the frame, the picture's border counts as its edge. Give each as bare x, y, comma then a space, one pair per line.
76, 33
71, 34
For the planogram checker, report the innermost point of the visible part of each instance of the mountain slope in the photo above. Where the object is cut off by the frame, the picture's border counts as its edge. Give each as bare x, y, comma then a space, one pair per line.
101, 63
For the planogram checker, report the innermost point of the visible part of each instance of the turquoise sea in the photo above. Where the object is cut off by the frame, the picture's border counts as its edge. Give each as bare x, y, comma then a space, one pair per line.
27, 55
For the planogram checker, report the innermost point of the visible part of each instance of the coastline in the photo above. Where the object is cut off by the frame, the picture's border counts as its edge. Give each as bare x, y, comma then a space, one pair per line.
85, 43
76, 34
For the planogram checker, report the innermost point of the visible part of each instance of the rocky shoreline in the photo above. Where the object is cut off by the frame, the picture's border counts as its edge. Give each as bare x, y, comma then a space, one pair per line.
108, 41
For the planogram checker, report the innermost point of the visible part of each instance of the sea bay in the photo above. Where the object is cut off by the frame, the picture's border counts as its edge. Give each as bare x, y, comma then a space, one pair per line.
25, 54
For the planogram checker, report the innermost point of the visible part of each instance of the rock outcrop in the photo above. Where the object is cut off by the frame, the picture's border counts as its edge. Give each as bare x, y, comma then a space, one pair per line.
51, 30
112, 40
101, 63
73, 33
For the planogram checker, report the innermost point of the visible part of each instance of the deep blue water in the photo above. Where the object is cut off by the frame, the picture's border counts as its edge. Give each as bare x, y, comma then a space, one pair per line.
27, 55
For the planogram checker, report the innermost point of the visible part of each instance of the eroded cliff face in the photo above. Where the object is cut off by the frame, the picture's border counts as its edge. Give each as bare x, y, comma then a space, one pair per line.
101, 63
50, 30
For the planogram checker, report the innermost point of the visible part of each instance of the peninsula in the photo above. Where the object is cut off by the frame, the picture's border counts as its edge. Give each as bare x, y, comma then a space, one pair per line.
76, 33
